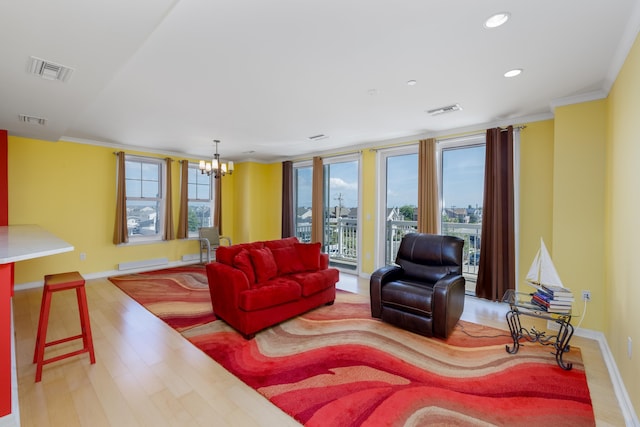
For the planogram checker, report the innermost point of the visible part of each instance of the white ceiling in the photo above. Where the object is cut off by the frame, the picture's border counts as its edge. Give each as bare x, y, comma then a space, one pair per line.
263, 76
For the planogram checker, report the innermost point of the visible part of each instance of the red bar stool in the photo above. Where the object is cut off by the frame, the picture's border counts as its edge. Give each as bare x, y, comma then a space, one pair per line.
54, 283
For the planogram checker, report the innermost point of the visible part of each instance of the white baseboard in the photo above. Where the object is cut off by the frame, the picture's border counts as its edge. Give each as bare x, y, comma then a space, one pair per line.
630, 416
191, 257
133, 265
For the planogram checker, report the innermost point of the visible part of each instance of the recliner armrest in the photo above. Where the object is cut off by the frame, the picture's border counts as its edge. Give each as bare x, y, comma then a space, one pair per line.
378, 278
447, 303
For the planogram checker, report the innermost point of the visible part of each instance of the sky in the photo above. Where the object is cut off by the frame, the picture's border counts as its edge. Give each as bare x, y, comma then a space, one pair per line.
463, 177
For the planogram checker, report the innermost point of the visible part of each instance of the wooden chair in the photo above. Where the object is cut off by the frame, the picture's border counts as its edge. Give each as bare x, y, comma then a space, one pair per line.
209, 242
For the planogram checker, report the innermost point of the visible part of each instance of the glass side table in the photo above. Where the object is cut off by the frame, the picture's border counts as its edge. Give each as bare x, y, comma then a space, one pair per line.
520, 305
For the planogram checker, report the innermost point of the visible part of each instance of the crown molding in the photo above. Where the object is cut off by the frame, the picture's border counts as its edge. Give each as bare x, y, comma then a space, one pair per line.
577, 99
116, 146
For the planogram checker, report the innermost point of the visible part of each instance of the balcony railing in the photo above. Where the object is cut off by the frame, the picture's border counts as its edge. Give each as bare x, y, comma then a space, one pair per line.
341, 237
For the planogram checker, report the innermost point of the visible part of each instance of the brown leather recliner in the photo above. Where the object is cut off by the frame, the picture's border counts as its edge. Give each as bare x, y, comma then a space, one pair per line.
424, 293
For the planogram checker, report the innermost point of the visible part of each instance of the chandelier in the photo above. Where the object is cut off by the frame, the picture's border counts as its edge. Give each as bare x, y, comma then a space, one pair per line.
215, 166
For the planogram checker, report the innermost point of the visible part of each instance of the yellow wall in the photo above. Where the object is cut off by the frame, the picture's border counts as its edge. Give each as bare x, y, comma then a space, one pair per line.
578, 204
257, 205
536, 194
622, 233
369, 212
69, 189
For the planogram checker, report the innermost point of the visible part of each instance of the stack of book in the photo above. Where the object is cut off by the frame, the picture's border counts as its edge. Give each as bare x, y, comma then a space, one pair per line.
554, 299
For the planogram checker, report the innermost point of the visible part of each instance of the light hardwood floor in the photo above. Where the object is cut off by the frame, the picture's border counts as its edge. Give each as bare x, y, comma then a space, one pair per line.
146, 374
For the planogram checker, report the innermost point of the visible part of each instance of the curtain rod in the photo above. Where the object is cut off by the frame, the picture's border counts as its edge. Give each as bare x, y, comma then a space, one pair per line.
142, 155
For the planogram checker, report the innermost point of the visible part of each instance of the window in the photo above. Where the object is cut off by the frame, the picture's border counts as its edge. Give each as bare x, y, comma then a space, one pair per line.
399, 211
145, 197
302, 184
341, 193
340, 201
462, 192
200, 196
461, 187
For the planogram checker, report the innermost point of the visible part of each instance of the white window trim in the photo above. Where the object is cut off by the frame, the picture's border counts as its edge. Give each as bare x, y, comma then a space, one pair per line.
382, 155
133, 240
195, 166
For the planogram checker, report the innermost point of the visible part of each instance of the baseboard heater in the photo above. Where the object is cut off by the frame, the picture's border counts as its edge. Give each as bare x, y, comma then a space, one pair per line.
142, 264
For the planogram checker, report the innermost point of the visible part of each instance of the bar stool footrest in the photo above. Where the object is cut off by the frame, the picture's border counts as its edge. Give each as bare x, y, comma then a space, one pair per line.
64, 356
77, 337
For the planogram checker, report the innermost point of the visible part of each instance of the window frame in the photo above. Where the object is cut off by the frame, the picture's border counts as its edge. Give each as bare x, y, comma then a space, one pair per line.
381, 193
160, 199
209, 200
299, 165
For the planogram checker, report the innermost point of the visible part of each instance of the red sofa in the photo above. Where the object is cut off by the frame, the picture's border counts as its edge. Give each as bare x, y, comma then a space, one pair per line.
257, 285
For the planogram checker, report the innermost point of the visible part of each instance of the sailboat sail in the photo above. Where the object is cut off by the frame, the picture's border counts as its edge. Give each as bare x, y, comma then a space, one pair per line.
542, 271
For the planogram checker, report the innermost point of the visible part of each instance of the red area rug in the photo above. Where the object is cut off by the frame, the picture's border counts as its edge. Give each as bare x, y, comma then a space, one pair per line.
336, 366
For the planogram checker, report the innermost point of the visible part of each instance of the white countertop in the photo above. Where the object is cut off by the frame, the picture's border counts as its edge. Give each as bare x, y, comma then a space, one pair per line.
21, 242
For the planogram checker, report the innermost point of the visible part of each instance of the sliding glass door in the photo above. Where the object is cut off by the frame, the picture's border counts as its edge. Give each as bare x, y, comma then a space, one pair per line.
341, 211
302, 196
340, 208
399, 213
462, 190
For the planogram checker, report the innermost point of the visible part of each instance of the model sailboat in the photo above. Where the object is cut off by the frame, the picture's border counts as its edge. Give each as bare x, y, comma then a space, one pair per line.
542, 271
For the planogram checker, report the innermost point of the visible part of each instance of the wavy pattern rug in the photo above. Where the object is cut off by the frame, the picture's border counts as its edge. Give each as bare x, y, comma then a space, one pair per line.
336, 366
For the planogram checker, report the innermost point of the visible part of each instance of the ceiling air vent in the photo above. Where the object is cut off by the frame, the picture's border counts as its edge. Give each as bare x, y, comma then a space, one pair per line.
318, 137
447, 109
32, 120
49, 70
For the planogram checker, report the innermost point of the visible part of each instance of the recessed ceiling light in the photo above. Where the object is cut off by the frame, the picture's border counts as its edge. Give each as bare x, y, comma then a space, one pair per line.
513, 73
496, 20
412, 82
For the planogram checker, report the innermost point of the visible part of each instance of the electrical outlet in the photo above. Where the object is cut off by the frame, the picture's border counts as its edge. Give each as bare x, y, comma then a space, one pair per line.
629, 347
586, 296
83, 256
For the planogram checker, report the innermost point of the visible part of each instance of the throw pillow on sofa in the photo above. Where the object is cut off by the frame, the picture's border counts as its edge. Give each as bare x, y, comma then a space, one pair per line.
280, 243
264, 264
309, 255
225, 254
242, 261
288, 260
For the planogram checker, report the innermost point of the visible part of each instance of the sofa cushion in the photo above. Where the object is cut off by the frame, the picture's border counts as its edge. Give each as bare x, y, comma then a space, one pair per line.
288, 260
242, 261
225, 254
274, 292
309, 255
280, 243
264, 264
312, 282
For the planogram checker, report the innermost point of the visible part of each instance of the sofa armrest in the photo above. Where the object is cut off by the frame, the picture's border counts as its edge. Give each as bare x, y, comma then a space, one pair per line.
225, 285
324, 261
448, 304
378, 278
